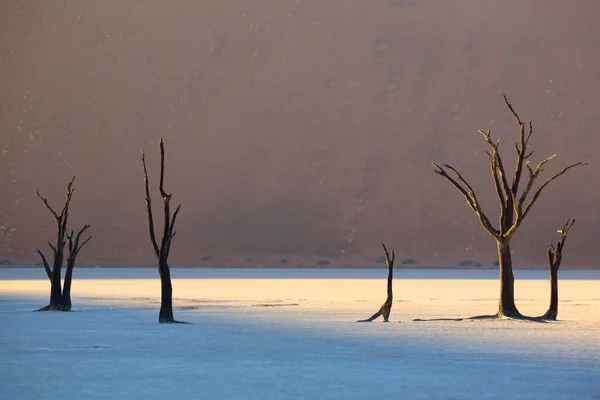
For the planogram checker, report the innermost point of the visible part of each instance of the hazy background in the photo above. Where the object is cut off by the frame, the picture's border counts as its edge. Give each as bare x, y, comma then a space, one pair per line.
294, 128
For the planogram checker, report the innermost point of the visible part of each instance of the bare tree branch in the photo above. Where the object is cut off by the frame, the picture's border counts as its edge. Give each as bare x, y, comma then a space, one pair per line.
149, 208
167, 220
512, 110
521, 146
389, 262
530, 154
162, 169
85, 227
460, 178
503, 191
171, 232
470, 197
174, 218
67, 200
564, 232
550, 251
45, 200
539, 191
69, 238
65, 211
555, 252
440, 171
46, 266
76, 246
533, 175
498, 160
167, 230
83, 244
53, 248
493, 160
63, 218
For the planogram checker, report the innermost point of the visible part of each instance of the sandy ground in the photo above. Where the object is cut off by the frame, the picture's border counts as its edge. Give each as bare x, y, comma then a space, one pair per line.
268, 336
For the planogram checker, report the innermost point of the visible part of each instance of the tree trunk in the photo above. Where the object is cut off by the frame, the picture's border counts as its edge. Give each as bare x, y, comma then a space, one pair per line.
165, 315
66, 297
55, 289
60, 300
552, 312
507, 306
386, 308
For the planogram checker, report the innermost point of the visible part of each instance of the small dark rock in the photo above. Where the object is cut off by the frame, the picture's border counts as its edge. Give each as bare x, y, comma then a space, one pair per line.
283, 260
6, 261
206, 258
323, 262
408, 261
465, 263
381, 259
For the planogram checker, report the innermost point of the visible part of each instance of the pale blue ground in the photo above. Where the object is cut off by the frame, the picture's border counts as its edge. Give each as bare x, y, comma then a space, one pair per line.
110, 350
111, 353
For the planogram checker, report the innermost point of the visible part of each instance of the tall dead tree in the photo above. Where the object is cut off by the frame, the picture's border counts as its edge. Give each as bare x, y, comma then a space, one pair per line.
386, 308
514, 206
554, 260
165, 316
60, 297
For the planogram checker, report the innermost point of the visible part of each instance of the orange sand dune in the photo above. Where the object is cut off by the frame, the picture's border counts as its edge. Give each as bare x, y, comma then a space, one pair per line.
299, 129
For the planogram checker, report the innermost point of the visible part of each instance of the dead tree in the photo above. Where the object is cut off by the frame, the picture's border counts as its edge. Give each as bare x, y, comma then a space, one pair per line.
386, 308
74, 248
514, 206
60, 297
554, 260
165, 316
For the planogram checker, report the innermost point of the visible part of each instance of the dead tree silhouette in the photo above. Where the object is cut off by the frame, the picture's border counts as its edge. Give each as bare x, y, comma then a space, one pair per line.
554, 260
60, 298
386, 308
514, 207
165, 315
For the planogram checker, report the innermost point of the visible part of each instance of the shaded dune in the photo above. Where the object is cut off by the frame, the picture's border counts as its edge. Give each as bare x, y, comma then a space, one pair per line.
302, 129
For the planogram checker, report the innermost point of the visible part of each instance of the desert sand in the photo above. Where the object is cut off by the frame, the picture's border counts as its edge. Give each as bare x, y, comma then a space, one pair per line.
294, 128
292, 333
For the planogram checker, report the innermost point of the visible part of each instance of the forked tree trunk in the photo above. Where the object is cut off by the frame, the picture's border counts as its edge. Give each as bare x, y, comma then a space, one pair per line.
554, 261
56, 298
60, 297
386, 308
507, 307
